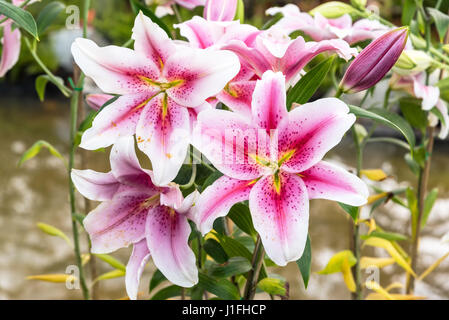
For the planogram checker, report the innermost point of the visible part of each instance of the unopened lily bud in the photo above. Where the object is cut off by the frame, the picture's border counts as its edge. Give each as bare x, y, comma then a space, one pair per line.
359, 4
333, 9
220, 10
412, 61
373, 62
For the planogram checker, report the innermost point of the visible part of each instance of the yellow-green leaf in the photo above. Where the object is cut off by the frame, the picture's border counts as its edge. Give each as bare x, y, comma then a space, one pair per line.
113, 262
55, 278
110, 275
374, 174
53, 231
387, 245
433, 266
367, 262
335, 263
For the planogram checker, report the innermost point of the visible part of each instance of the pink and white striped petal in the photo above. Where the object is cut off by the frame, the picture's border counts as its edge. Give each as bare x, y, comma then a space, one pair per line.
238, 96
114, 69
11, 48
190, 4
253, 57
117, 120
327, 181
231, 142
96, 101
269, 101
167, 238
119, 222
300, 53
281, 218
217, 200
151, 41
199, 74
134, 269
163, 134
442, 107
96, 186
429, 94
311, 131
220, 10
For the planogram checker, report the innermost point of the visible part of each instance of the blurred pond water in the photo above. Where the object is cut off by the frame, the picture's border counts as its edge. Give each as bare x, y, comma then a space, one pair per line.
37, 193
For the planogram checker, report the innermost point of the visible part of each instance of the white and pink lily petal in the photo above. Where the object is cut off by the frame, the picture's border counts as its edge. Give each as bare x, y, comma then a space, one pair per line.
10, 48
320, 28
220, 10
275, 51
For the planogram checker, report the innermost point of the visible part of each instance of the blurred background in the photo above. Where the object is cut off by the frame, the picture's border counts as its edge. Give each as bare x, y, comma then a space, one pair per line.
37, 192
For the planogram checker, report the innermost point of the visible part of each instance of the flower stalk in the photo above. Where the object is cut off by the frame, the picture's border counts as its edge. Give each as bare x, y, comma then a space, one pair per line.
253, 276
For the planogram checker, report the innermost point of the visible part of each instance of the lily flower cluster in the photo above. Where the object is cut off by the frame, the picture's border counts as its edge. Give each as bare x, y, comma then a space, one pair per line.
224, 92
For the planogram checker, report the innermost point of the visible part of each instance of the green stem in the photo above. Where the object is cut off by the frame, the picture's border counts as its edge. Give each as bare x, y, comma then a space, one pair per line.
253, 276
57, 82
73, 132
422, 192
192, 178
177, 14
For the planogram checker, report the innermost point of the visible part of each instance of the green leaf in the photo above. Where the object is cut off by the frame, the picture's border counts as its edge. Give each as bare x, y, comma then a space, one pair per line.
137, 6
234, 266
389, 119
412, 164
309, 83
113, 262
234, 248
36, 148
444, 88
241, 216
53, 231
408, 12
352, 211
22, 18
305, 263
156, 279
441, 22
413, 113
168, 292
222, 288
278, 16
48, 15
41, 84
390, 236
240, 12
428, 205
213, 249
110, 275
335, 263
211, 179
273, 286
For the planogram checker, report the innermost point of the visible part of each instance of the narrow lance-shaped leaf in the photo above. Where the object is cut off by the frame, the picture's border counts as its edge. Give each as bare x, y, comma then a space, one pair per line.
441, 22
48, 15
137, 6
273, 286
235, 266
305, 263
41, 84
168, 292
22, 18
157, 278
36, 148
222, 288
389, 119
113, 262
309, 83
53, 231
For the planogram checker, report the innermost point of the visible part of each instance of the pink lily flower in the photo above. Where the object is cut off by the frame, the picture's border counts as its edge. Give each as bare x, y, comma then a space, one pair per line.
375, 61
274, 160
220, 10
11, 43
319, 28
214, 35
96, 101
430, 95
165, 6
136, 211
275, 50
158, 82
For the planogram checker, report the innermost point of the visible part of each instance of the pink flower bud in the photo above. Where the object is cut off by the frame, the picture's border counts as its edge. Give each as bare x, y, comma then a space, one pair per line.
220, 10
373, 63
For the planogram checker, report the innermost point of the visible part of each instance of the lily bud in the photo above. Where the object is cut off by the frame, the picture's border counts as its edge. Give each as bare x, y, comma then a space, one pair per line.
373, 62
359, 4
333, 9
412, 62
220, 10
